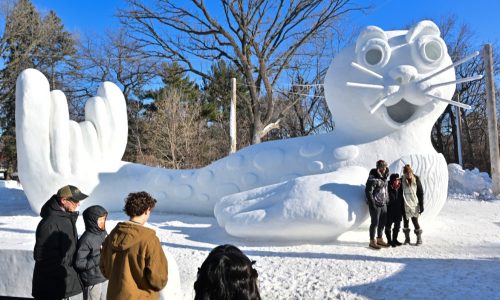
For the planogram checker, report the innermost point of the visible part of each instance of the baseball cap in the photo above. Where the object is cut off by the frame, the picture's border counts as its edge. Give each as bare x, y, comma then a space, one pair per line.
72, 193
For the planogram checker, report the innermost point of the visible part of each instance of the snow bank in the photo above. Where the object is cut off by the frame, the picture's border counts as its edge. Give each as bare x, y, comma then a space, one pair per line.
469, 183
20, 263
11, 184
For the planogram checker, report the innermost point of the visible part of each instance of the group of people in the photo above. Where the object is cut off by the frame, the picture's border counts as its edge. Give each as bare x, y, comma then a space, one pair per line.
129, 263
389, 202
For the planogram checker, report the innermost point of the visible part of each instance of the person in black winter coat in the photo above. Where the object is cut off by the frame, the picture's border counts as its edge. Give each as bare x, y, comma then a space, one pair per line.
54, 276
395, 210
88, 253
377, 198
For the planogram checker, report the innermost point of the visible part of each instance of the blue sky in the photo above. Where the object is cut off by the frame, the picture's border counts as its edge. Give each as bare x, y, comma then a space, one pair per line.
93, 16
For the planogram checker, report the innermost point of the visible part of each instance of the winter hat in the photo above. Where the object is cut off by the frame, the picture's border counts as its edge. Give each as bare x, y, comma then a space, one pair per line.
393, 177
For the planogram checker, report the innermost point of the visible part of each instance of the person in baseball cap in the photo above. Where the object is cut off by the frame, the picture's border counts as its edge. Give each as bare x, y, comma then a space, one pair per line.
71, 193
56, 241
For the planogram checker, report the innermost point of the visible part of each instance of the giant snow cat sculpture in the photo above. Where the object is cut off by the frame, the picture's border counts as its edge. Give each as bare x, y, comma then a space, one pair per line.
385, 92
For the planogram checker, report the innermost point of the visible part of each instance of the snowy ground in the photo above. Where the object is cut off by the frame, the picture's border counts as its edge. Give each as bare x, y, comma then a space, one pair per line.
460, 257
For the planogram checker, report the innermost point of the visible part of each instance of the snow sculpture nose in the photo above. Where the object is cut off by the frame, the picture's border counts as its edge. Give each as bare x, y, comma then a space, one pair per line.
403, 74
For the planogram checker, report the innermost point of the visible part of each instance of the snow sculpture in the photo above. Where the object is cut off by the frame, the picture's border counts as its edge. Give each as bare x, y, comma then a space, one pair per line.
385, 93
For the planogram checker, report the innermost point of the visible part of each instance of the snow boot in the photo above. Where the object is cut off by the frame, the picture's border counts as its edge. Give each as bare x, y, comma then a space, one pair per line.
418, 232
374, 245
406, 231
380, 242
395, 241
388, 236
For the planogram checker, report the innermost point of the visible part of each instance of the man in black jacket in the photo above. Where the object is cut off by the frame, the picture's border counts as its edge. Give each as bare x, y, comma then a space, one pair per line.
54, 276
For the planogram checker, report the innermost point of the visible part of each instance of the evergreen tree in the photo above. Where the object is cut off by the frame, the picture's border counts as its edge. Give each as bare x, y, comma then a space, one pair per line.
217, 92
28, 42
174, 77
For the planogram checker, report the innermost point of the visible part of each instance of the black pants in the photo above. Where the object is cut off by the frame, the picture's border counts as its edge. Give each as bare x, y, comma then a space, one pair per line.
414, 220
393, 218
378, 215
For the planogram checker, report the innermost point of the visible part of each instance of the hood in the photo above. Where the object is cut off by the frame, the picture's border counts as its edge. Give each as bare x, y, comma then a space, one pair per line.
127, 234
52, 207
90, 216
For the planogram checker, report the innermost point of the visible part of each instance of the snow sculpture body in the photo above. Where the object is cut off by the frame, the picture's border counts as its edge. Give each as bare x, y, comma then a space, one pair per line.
383, 92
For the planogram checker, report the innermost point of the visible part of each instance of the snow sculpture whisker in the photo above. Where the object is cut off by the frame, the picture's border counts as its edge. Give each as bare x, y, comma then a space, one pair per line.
462, 105
459, 62
461, 80
365, 85
367, 71
380, 102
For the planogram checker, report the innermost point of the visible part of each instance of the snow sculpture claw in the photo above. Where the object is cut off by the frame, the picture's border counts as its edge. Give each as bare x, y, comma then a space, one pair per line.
52, 150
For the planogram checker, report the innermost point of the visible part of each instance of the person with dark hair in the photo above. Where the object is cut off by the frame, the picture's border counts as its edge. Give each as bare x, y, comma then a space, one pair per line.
131, 256
377, 198
413, 195
54, 276
395, 210
227, 274
88, 253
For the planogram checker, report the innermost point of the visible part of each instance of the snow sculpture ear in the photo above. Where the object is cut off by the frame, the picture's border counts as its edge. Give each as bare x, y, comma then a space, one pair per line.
372, 48
430, 46
422, 28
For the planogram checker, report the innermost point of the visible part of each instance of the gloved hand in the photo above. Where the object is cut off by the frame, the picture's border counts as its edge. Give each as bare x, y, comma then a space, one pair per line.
421, 208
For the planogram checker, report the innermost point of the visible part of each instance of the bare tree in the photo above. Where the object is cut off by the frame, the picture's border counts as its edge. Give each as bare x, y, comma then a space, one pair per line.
175, 136
114, 58
260, 37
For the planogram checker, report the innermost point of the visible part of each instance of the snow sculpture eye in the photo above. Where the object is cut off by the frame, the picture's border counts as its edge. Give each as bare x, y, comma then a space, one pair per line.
375, 52
431, 49
372, 48
373, 56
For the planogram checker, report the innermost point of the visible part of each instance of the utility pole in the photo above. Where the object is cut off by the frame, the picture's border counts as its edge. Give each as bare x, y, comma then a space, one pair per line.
458, 121
492, 119
232, 117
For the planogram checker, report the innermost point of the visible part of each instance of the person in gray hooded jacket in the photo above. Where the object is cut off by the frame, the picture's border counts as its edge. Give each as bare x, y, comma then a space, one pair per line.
89, 252
377, 199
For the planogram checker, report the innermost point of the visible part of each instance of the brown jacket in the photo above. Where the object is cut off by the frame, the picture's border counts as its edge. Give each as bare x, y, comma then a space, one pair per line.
134, 262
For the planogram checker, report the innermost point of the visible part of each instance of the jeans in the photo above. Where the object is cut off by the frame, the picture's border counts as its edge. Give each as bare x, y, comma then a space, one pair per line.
378, 215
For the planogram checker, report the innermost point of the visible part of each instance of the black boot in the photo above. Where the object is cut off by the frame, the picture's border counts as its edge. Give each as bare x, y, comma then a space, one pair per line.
388, 236
395, 241
406, 231
418, 232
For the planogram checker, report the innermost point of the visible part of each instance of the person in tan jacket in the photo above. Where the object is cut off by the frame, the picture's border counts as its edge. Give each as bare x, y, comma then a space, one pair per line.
131, 257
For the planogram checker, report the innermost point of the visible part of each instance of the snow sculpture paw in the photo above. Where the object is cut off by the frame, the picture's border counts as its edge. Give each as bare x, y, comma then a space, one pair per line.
308, 208
54, 151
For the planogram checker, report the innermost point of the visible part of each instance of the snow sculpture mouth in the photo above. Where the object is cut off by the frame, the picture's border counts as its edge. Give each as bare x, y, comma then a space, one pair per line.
401, 111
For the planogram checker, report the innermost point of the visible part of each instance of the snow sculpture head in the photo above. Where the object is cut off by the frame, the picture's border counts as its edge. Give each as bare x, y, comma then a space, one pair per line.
386, 80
